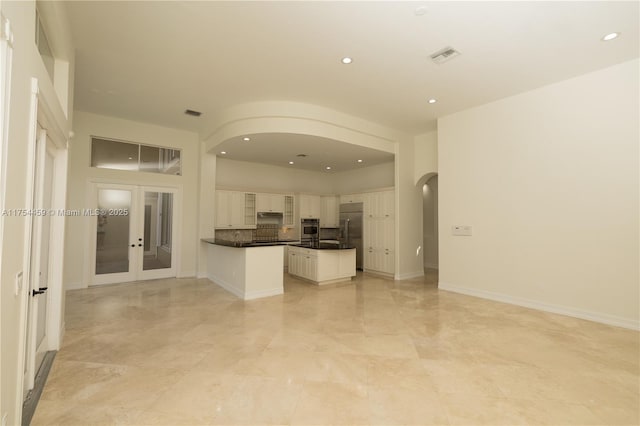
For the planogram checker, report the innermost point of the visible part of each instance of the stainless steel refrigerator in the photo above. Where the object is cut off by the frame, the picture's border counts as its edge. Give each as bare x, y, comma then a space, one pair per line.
351, 226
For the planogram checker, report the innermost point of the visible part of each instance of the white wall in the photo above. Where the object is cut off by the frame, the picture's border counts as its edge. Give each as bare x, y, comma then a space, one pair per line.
430, 222
408, 214
26, 64
264, 178
426, 155
80, 172
549, 181
364, 179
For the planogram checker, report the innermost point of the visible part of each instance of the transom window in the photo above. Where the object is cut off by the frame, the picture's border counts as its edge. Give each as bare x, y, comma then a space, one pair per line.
119, 155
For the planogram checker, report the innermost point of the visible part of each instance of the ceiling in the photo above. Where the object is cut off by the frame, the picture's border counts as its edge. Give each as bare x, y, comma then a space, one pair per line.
149, 61
305, 151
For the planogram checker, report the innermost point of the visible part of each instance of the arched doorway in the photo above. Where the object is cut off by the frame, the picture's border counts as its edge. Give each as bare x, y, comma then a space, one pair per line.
428, 184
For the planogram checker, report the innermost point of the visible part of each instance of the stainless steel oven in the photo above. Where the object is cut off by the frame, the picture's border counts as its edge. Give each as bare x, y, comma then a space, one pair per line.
309, 230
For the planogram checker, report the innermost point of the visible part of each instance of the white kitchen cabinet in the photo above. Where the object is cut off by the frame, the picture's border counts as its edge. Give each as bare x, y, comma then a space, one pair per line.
234, 210
379, 232
288, 211
322, 266
352, 198
329, 211
270, 202
309, 206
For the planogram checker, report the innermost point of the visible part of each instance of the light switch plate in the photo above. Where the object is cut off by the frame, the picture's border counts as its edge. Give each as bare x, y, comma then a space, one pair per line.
461, 230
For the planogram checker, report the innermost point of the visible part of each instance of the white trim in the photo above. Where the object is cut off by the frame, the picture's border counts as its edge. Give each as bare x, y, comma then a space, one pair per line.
409, 275
262, 293
257, 294
534, 304
431, 265
379, 273
227, 286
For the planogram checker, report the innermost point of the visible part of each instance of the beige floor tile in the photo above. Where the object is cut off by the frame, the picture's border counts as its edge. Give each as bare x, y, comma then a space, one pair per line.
325, 403
371, 351
260, 401
400, 405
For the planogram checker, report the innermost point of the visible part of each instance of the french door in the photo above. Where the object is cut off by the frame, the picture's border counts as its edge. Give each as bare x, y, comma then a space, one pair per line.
133, 232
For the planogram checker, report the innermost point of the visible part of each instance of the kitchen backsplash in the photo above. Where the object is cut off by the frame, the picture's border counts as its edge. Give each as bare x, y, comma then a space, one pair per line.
249, 235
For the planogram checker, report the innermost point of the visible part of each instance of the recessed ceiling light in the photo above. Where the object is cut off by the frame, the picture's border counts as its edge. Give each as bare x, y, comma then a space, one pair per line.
246, 139
432, 101
610, 36
328, 167
346, 60
359, 161
223, 152
290, 162
130, 158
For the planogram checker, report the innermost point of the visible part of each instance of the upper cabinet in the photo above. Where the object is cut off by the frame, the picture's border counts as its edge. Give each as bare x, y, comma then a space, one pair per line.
379, 204
309, 206
270, 203
329, 211
288, 211
235, 209
352, 198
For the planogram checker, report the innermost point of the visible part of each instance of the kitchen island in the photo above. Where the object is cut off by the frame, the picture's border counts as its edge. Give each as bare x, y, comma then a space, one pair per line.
248, 270
323, 263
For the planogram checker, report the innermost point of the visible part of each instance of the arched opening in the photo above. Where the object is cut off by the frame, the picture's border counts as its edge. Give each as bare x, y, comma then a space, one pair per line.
429, 187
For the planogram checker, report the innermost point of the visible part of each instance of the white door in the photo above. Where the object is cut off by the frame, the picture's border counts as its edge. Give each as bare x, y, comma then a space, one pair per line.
37, 343
134, 230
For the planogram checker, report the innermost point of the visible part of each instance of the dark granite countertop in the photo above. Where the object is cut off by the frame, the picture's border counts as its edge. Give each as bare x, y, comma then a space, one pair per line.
245, 244
324, 246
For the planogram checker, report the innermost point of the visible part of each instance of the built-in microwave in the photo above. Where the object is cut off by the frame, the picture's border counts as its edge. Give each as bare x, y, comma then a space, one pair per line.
310, 229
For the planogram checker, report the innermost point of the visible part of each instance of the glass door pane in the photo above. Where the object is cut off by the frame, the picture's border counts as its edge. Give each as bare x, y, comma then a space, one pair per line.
112, 238
158, 222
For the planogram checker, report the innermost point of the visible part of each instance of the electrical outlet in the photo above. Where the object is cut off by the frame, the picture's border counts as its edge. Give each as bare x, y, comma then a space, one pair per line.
18, 285
461, 230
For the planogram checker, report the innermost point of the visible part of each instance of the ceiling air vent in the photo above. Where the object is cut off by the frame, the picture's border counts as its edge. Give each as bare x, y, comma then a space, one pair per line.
192, 112
444, 55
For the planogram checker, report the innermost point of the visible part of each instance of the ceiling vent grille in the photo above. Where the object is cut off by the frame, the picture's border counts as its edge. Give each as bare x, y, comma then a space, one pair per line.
444, 55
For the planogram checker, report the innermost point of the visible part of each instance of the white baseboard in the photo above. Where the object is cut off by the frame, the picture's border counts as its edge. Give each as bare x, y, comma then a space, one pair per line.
534, 304
380, 274
227, 286
262, 293
245, 295
409, 275
431, 265
74, 286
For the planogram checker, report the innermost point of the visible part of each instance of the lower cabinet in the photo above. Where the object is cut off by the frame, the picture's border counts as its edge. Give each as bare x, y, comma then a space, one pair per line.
322, 266
379, 245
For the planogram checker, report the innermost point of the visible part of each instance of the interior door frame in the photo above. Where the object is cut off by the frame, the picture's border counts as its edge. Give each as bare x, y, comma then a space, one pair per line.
42, 116
136, 272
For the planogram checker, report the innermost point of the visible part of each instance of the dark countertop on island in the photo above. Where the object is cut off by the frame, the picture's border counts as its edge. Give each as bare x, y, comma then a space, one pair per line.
245, 244
324, 246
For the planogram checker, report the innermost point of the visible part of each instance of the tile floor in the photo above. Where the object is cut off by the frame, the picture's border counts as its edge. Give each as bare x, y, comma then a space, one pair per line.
374, 351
